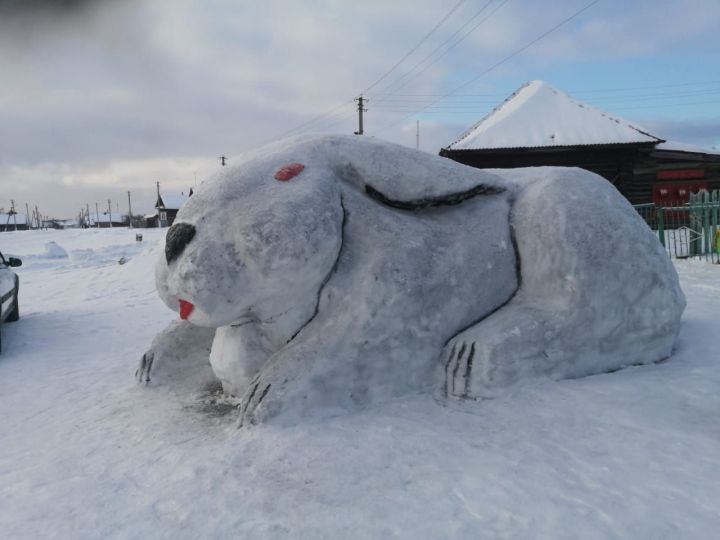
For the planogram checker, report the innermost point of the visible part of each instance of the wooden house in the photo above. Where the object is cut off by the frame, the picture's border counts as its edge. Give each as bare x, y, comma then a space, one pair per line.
14, 222
105, 220
167, 206
539, 125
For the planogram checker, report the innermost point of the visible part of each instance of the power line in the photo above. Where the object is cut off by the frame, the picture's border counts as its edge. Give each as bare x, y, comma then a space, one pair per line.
468, 111
415, 48
644, 97
406, 97
316, 119
501, 62
387, 104
320, 118
695, 83
397, 86
690, 103
526, 47
341, 119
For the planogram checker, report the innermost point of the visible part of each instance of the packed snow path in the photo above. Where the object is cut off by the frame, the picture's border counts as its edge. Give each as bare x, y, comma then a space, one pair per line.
87, 453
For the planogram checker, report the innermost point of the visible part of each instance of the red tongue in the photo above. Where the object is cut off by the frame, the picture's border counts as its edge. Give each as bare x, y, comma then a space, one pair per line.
185, 309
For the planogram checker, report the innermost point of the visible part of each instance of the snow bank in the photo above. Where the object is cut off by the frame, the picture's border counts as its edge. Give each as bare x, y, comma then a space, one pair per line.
86, 453
54, 251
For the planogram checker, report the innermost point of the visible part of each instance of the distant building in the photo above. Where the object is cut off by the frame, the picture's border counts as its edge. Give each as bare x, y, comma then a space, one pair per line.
52, 224
69, 223
148, 221
14, 222
167, 206
106, 220
539, 125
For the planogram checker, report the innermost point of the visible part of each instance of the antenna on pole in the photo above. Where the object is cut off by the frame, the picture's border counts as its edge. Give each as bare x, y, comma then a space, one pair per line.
360, 101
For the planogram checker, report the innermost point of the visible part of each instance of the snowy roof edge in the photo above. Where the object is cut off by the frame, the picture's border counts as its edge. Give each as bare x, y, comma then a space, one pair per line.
488, 115
579, 145
512, 96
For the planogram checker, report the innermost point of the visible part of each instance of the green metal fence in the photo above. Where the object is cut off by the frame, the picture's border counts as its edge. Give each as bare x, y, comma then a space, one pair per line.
690, 229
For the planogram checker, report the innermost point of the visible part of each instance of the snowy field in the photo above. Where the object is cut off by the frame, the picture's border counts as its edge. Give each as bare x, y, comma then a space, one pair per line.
87, 453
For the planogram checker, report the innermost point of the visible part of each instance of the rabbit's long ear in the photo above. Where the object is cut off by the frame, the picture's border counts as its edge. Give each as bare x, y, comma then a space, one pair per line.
428, 202
405, 178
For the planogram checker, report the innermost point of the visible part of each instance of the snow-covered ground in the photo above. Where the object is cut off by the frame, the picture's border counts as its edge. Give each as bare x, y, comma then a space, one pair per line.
87, 453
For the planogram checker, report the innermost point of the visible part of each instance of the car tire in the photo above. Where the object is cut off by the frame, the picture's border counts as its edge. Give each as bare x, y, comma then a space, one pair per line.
15, 313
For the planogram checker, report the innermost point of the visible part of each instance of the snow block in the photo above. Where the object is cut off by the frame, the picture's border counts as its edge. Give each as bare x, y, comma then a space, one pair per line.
381, 271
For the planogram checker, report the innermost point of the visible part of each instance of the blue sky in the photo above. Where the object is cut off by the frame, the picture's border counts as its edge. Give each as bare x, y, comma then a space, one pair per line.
101, 97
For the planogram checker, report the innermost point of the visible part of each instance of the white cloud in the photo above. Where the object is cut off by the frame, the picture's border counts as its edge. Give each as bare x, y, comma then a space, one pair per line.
117, 94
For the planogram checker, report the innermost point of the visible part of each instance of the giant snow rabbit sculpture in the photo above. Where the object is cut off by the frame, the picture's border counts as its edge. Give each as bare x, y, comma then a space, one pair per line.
341, 271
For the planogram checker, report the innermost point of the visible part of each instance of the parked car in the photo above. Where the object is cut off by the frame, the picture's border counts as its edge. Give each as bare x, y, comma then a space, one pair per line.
9, 287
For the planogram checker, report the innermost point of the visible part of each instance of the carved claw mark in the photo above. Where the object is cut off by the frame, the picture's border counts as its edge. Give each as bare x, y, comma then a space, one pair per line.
249, 399
468, 370
142, 374
458, 370
447, 369
246, 406
264, 393
247, 410
457, 365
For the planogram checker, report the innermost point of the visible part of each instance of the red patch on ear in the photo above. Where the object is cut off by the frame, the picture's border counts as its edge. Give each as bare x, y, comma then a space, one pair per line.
291, 170
186, 309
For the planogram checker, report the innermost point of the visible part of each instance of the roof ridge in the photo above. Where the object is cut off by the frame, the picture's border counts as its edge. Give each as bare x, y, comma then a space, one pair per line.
494, 110
586, 127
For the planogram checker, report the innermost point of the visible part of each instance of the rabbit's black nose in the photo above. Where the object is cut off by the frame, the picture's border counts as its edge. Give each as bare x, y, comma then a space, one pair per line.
178, 236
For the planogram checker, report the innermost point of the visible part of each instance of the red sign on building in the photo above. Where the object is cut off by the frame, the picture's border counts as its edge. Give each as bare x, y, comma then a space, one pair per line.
680, 174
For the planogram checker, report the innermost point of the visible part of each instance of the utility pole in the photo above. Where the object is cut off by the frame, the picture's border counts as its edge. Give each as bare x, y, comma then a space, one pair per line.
27, 216
157, 204
417, 136
223, 160
12, 213
129, 210
360, 101
110, 213
87, 215
97, 216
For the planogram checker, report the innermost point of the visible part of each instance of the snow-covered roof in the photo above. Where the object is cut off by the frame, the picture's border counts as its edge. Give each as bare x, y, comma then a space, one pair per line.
12, 219
538, 115
173, 201
683, 147
103, 218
